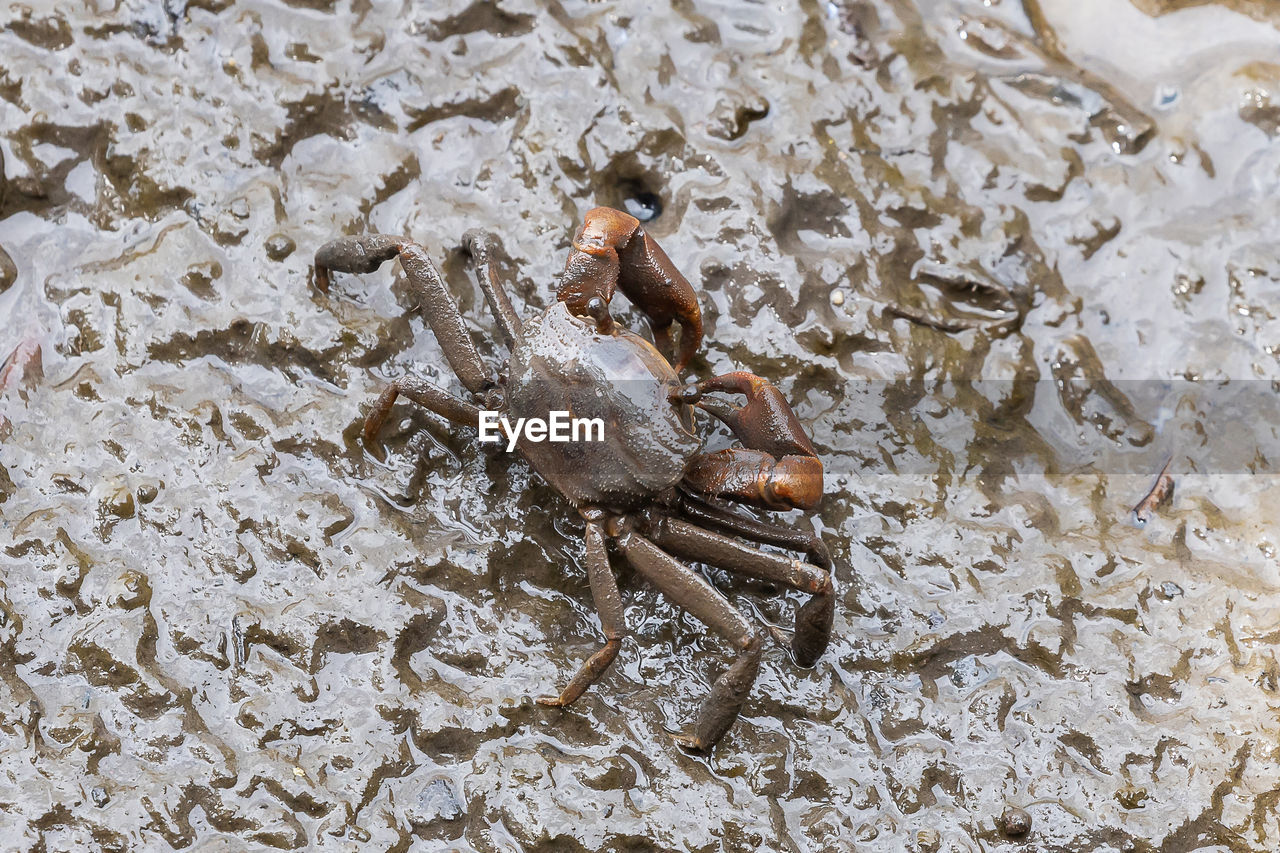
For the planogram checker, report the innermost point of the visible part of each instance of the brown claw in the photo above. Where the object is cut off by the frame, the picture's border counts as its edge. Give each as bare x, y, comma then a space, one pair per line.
777, 468
612, 250
765, 422
755, 477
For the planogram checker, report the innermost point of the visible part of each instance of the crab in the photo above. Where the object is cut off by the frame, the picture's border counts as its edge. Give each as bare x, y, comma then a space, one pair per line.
649, 491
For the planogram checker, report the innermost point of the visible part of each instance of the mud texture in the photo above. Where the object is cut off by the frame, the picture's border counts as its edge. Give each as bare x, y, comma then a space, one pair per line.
1005, 259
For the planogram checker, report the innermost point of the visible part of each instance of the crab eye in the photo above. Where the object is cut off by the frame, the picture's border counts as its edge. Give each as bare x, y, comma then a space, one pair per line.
597, 309
690, 394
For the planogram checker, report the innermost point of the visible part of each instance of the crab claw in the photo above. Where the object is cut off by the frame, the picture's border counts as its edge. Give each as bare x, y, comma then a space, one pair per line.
777, 468
612, 251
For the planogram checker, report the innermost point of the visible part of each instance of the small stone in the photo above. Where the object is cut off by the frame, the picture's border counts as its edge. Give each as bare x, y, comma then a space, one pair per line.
1015, 822
240, 208
99, 796
279, 247
147, 493
837, 298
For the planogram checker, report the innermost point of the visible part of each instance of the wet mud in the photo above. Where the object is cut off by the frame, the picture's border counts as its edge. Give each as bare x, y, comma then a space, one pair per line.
1005, 259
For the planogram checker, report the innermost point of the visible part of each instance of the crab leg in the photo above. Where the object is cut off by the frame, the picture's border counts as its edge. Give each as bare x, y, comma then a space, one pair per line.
604, 589
813, 619
481, 246
611, 249
424, 394
692, 592
778, 468
723, 520
366, 253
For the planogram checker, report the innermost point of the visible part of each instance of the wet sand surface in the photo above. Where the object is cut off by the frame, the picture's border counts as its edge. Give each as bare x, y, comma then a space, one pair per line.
1005, 260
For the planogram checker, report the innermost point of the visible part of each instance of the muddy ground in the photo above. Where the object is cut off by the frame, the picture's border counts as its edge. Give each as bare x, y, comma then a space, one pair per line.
1005, 259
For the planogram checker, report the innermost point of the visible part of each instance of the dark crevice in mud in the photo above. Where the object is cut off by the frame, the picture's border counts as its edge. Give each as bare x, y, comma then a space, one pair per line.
52, 33
1262, 10
393, 182
1090, 398
934, 663
160, 30
821, 212
7, 488
314, 5
174, 825
934, 779
102, 743
101, 668
300, 802
344, 637
315, 114
127, 192
494, 107
482, 16
734, 116
282, 644
392, 767
60, 817
254, 343
1069, 608
69, 588
1102, 234
1208, 828
418, 634
953, 299
44, 192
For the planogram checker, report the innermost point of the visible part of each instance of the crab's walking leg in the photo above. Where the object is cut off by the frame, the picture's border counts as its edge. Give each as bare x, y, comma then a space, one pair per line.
424, 394
724, 520
814, 618
481, 245
692, 592
604, 589
777, 469
367, 252
611, 249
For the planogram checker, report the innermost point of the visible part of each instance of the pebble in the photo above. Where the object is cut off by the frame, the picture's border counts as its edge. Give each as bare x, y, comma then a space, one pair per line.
1015, 822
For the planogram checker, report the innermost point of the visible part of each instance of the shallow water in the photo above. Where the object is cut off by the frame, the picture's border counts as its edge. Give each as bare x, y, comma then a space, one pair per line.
1004, 259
